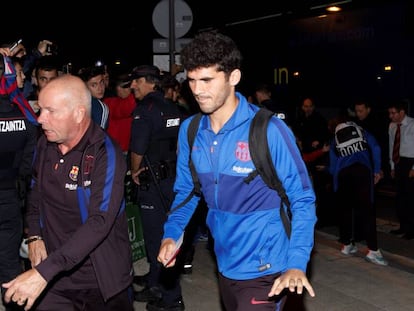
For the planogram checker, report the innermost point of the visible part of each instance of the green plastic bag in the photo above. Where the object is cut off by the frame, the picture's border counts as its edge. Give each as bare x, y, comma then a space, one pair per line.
136, 236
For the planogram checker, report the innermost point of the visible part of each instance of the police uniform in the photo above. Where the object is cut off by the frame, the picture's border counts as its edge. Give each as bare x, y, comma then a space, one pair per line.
271, 105
17, 140
154, 134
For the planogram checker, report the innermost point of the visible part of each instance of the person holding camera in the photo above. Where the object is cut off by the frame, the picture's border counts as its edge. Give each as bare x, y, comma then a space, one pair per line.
44, 48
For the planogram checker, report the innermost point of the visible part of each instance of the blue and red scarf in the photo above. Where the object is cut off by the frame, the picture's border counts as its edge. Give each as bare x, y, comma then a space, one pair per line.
8, 86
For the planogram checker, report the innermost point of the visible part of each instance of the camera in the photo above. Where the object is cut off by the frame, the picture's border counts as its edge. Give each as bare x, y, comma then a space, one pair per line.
52, 49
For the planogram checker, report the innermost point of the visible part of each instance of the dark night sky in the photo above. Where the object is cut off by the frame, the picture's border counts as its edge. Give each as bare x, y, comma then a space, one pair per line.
112, 32
125, 32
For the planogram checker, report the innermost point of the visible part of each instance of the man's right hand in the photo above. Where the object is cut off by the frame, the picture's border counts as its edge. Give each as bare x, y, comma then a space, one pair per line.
167, 251
25, 288
135, 175
42, 47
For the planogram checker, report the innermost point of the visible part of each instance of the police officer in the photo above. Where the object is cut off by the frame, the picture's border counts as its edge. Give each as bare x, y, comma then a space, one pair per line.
263, 95
18, 138
153, 146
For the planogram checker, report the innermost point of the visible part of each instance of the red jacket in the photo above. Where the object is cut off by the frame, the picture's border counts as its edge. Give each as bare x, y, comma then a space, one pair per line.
120, 118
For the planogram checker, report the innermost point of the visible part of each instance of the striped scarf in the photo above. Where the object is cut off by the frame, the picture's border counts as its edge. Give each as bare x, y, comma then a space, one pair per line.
8, 86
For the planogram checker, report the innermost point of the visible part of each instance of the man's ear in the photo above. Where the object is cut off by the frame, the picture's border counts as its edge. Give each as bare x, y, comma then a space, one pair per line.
235, 77
80, 114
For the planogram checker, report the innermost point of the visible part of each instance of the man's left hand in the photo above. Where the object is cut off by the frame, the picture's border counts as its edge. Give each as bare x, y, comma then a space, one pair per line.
295, 280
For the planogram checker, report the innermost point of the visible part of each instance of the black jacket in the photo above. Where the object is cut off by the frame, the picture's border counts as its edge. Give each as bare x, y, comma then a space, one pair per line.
17, 140
77, 206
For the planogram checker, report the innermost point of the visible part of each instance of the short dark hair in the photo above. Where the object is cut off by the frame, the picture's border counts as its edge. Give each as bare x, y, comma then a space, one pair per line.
47, 63
211, 49
88, 73
263, 87
399, 105
169, 81
121, 79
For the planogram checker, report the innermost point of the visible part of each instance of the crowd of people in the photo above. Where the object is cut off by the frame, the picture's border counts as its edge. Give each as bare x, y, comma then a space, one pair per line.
70, 138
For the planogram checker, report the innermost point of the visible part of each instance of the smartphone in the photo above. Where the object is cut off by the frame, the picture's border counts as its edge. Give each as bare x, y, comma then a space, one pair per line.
67, 68
15, 44
52, 49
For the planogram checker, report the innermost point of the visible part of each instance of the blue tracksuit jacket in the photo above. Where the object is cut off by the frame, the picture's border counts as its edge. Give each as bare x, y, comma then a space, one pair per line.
249, 237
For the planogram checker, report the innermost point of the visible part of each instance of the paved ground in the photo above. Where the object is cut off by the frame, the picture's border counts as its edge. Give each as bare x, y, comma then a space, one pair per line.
342, 283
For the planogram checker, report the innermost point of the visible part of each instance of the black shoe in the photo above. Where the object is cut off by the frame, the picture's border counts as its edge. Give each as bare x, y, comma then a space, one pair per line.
148, 295
397, 232
160, 305
408, 236
141, 280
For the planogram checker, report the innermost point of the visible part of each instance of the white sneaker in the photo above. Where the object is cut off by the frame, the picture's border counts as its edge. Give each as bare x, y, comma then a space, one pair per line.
376, 257
349, 249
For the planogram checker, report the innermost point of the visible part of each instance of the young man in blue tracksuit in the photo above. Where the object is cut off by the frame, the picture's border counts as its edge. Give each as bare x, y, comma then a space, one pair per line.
256, 259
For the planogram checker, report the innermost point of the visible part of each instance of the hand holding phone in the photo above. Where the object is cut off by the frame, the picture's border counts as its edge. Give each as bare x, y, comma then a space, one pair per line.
51, 49
176, 250
15, 44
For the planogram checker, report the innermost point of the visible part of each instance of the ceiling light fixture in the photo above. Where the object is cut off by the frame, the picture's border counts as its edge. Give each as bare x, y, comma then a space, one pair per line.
333, 8
326, 5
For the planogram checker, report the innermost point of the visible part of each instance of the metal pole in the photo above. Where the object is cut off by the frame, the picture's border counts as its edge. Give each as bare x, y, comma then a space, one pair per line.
172, 33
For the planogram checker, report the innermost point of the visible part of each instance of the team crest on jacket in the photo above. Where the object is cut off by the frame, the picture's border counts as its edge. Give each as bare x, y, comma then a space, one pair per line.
73, 174
242, 151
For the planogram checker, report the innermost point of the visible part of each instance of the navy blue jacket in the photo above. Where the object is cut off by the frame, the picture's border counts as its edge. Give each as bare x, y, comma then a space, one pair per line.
100, 113
154, 128
17, 140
